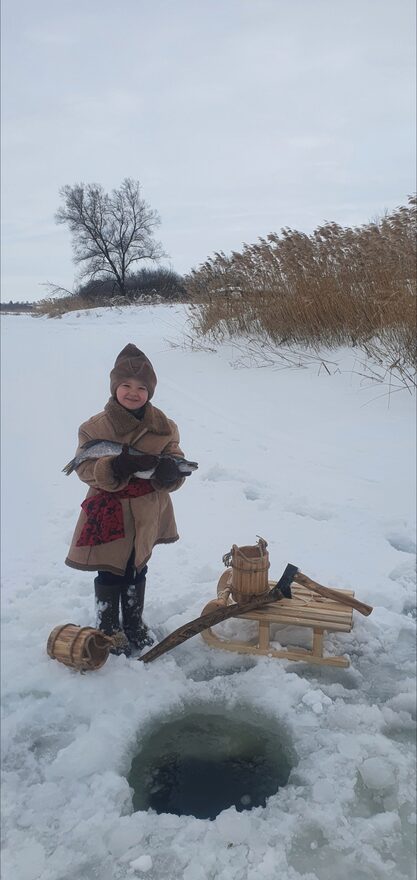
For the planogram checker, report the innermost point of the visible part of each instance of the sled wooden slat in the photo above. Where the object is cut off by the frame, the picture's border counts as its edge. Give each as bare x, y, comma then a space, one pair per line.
342, 621
305, 609
295, 620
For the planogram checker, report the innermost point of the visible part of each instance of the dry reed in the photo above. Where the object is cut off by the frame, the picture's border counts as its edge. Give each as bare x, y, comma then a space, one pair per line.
337, 286
55, 307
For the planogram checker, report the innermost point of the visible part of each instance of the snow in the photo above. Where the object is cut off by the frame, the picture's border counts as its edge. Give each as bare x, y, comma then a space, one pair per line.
320, 465
142, 865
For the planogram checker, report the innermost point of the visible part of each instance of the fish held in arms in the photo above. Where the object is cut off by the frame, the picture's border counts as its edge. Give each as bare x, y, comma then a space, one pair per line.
146, 463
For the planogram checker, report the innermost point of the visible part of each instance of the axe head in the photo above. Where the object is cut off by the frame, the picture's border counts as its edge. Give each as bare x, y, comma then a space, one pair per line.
283, 586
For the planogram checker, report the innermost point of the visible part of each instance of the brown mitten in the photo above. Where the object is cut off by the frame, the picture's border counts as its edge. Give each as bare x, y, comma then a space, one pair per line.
125, 464
167, 472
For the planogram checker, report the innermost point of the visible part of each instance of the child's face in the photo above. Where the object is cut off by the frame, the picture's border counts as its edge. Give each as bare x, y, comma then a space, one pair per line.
131, 394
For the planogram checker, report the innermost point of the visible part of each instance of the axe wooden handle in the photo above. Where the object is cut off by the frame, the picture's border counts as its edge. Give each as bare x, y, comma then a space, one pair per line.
336, 595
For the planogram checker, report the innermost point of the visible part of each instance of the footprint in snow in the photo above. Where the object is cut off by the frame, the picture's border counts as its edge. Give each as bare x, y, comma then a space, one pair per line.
409, 609
205, 574
252, 494
404, 574
311, 512
401, 542
219, 474
251, 491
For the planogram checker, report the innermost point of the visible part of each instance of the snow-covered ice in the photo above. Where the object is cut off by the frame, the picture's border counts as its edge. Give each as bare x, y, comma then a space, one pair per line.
320, 465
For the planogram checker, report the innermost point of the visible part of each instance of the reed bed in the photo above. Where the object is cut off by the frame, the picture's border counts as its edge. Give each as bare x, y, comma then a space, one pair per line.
337, 286
55, 307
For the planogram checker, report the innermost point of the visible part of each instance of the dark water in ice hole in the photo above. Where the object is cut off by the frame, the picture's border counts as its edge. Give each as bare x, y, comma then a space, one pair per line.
201, 764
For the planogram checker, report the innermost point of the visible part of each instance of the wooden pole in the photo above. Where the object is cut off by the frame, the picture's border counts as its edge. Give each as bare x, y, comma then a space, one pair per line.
205, 621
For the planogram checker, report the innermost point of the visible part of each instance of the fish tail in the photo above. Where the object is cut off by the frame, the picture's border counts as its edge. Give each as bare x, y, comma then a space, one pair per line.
69, 468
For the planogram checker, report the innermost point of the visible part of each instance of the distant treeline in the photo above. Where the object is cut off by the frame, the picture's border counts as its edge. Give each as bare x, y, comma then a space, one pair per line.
158, 285
17, 306
159, 282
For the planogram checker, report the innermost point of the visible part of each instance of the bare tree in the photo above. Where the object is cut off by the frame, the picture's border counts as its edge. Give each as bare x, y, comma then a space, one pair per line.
110, 231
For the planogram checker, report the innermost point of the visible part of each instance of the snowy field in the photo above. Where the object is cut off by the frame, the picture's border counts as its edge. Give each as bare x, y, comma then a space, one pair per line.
320, 465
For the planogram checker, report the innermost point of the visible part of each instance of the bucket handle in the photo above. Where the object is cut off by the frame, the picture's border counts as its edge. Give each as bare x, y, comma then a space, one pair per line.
87, 651
227, 558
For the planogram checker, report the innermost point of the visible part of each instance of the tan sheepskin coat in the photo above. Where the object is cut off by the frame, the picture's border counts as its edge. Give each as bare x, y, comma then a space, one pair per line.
148, 519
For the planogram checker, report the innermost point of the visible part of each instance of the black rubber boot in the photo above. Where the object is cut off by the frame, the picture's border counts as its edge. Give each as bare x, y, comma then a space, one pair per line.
107, 605
133, 599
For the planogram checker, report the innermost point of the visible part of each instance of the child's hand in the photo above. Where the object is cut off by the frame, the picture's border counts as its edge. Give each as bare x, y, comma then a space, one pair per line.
125, 464
167, 472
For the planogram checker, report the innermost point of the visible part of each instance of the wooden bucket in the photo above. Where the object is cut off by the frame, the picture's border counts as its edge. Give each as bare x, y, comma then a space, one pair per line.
249, 570
81, 647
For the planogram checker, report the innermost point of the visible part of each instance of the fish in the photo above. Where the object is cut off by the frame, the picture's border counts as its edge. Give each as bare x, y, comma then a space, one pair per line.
147, 463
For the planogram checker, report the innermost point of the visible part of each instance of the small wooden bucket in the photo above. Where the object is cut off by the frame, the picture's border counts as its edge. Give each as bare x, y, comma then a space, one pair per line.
81, 647
249, 570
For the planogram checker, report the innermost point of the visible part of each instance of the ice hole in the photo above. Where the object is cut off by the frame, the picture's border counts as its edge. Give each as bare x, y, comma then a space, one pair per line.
203, 763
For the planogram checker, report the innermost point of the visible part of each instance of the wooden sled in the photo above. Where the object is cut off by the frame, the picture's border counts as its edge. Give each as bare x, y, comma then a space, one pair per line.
305, 609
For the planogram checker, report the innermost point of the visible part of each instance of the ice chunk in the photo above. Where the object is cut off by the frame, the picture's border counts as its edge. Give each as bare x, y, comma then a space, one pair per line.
30, 861
323, 792
316, 700
349, 747
194, 871
234, 827
126, 835
377, 774
142, 865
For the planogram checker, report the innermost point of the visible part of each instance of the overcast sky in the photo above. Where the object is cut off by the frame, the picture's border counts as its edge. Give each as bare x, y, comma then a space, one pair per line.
238, 117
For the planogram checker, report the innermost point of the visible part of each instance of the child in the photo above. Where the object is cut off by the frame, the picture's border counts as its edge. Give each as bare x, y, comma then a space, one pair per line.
124, 517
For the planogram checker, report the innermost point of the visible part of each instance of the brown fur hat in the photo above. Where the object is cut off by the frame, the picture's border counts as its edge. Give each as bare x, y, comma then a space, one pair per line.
132, 363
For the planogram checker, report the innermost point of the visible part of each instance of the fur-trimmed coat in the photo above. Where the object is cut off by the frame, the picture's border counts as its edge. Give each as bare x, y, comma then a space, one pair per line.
148, 519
